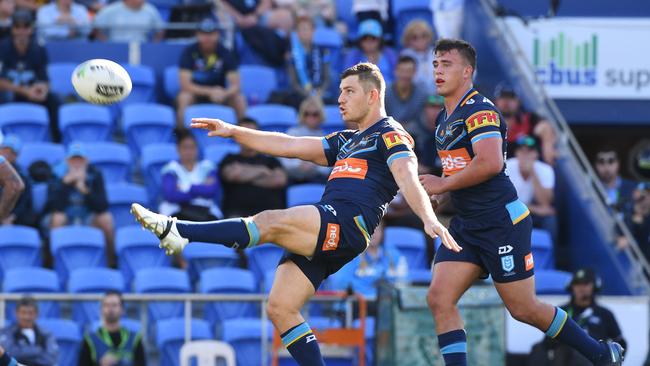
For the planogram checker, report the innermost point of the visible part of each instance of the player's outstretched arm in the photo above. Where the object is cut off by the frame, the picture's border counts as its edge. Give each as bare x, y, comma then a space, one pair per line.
272, 143
405, 172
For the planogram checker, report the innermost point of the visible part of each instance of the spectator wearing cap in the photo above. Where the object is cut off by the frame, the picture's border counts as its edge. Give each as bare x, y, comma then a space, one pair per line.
208, 73
521, 122
23, 69
637, 217
77, 196
7, 8
534, 181
62, 19
22, 214
128, 21
598, 321
404, 98
370, 48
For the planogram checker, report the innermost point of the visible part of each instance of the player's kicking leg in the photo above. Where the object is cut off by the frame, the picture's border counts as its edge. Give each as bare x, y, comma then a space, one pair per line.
522, 303
295, 229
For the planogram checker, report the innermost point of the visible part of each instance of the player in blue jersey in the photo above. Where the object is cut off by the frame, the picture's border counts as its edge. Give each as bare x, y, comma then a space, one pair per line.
369, 165
492, 226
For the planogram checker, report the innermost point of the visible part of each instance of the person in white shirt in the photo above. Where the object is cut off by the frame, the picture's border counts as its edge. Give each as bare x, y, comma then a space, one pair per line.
448, 17
534, 181
129, 20
62, 19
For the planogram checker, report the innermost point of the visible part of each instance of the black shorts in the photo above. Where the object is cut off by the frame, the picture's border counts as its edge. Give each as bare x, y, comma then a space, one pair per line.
499, 243
343, 235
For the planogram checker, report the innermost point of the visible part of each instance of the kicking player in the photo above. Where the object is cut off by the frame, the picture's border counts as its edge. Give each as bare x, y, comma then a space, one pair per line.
493, 226
370, 165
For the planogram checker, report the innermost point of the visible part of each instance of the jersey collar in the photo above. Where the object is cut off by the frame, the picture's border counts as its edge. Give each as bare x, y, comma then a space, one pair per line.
467, 96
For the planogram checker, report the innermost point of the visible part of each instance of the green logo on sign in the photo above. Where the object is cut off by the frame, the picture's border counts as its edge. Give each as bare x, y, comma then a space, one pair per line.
563, 61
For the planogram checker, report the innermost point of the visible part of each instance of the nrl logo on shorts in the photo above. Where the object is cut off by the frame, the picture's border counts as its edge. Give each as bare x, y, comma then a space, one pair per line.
508, 263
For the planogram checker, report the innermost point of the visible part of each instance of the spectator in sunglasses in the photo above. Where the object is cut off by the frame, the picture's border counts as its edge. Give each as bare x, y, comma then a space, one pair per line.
417, 40
619, 190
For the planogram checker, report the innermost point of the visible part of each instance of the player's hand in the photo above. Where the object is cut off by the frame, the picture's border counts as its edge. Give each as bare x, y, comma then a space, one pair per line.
215, 127
433, 184
437, 229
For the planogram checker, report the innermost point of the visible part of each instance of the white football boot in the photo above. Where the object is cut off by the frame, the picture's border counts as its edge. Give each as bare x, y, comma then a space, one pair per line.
164, 227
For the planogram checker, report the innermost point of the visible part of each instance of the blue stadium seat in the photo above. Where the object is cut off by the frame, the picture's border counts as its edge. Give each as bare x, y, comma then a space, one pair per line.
344, 13
147, 123
60, 74
221, 112
551, 282
31, 280
321, 323
113, 159
80, 51
75, 247
170, 336
162, 280
419, 276
131, 325
542, 246
28, 121
92, 280
216, 153
228, 281
68, 336
263, 258
120, 197
46, 151
138, 249
269, 277
333, 121
257, 83
83, 122
144, 84
202, 256
410, 243
171, 82
304, 194
273, 117
245, 336
39, 197
153, 158
20, 246
331, 40
405, 11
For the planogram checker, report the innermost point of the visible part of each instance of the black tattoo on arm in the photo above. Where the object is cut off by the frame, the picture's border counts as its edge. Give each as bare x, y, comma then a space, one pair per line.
12, 187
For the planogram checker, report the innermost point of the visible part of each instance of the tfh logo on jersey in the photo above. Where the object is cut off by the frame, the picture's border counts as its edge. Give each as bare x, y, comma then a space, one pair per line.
482, 119
395, 138
332, 237
454, 161
350, 168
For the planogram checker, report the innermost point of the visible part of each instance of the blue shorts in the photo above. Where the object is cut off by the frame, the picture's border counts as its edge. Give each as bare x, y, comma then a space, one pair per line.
499, 243
343, 235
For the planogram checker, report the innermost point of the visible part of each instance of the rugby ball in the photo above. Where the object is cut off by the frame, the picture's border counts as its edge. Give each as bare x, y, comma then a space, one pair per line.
100, 81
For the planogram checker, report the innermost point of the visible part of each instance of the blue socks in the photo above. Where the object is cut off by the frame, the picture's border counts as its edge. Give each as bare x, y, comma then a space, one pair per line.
233, 233
567, 331
303, 346
453, 346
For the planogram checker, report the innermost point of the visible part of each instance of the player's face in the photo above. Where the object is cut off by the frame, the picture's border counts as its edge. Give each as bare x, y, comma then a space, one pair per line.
111, 309
354, 102
450, 72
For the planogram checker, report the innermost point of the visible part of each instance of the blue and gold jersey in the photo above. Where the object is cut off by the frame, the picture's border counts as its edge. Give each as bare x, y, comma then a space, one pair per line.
361, 161
474, 119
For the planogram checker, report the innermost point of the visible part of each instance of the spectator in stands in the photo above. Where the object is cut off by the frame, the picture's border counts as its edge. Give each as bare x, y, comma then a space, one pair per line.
534, 181
7, 8
521, 122
111, 344
208, 73
637, 217
26, 341
23, 69
448, 17
6, 359
417, 41
323, 12
252, 182
22, 214
311, 115
371, 49
619, 190
425, 137
77, 196
189, 186
596, 320
404, 98
63, 19
370, 9
128, 21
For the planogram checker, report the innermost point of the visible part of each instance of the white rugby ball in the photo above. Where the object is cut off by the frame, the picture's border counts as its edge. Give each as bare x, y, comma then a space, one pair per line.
101, 81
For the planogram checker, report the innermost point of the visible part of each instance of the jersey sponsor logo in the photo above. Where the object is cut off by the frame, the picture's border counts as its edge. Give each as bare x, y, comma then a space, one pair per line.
508, 263
310, 338
454, 161
482, 119
505, 249
350, 168
394, 138
332, 237
530, 263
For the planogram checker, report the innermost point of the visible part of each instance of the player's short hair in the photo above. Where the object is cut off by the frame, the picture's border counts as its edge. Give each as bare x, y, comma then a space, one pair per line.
465, 49
369, 76
114, 293
27, 301
406, 59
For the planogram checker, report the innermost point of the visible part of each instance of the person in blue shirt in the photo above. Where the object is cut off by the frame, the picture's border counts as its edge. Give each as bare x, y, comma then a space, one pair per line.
371, 49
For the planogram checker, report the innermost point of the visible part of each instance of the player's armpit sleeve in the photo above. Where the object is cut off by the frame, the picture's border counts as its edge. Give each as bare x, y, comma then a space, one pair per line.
332, 144
396, 144
482, 124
